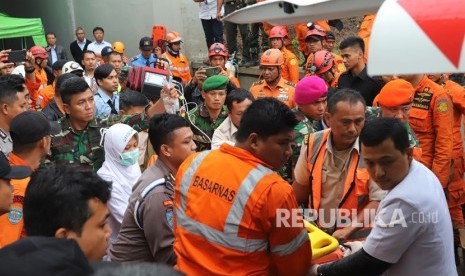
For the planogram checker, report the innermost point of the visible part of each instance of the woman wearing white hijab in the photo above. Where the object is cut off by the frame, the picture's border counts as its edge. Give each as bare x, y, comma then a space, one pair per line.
122, 169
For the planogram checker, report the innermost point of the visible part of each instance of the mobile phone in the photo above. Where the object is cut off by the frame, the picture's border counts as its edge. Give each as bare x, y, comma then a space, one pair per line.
211, 71
17, 56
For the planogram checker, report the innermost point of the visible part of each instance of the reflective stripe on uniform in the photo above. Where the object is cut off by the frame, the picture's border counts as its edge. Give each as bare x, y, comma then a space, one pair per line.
143, 194
318, 137
229, 236
292, 246
187, 178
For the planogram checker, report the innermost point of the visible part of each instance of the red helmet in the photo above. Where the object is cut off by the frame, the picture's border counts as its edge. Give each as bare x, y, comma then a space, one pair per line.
218, 49
315, 30
278, 31
322, 62
38, 52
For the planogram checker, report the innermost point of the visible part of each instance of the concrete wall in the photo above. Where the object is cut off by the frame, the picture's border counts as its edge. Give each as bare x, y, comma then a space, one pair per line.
127, 20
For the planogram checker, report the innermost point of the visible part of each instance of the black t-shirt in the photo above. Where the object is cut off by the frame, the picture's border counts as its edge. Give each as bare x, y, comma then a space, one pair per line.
367, 86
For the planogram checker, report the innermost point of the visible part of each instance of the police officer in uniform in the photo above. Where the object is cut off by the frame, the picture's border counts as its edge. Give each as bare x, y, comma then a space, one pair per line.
146, 233
146, 57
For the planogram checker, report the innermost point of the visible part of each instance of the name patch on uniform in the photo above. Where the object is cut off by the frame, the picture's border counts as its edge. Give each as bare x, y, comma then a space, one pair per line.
422, 100
306, 139
15, 215
214, 188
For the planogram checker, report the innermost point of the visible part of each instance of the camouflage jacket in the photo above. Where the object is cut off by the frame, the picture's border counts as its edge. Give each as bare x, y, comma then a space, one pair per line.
304, 127
373, 112
200, 118
84, 147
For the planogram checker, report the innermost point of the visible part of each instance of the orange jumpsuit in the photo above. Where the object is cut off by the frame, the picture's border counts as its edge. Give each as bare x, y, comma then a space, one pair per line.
47, 94
283, 91
456, 188
34, 87
179, 67
11, 224
301, 31
365, 31
431, 118
226, 220
290, 68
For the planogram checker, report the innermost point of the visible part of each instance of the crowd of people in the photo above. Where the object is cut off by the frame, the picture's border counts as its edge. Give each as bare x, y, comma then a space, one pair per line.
93, 167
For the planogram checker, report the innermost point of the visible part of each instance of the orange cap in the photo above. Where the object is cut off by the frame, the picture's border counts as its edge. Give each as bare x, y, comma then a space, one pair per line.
395, 93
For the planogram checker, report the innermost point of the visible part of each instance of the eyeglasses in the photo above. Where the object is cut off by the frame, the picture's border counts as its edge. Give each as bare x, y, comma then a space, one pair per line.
403, 108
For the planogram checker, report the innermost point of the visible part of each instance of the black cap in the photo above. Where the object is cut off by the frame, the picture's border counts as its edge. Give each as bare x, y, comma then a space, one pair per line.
146, 43
31, 126
9, 172
330, 35
106, 51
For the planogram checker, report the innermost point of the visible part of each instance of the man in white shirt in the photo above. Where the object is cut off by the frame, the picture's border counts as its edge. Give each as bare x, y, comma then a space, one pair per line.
99, 43
237, 102
413, 230
212, 26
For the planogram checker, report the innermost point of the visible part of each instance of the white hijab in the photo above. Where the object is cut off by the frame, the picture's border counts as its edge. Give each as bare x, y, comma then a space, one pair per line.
116, 139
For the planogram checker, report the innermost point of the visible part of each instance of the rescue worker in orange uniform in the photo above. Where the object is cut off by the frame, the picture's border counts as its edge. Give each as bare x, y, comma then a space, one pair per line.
365, 31
218, 55
178, 63
290, 67
273, 84
323, 66
330, 173
456, 187
230, 221
314, 39
47, 93
328, 45
30, 132
34, 67
395, 101
432, 118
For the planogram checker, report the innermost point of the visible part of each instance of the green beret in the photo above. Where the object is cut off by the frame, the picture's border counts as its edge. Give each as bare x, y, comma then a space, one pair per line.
216, 82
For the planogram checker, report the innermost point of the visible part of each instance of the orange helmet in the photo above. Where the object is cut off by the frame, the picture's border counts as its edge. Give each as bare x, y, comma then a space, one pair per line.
173, 37
38, 52
118, 47
218, 49
278, 31
322, 62
315, 30
272, 57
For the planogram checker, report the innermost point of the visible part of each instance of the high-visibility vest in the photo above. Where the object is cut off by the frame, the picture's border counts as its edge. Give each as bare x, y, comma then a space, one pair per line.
355, 195
225, 220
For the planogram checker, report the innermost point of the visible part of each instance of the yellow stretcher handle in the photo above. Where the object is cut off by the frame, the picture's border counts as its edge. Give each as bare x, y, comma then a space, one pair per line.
322, 243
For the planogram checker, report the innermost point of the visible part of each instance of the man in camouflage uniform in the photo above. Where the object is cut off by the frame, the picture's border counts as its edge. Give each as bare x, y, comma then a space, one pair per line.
395, 100
80, 139
310, 97
208, 116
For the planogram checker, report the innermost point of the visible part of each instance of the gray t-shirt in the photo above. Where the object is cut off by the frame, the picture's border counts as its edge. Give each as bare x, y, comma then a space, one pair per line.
413, 228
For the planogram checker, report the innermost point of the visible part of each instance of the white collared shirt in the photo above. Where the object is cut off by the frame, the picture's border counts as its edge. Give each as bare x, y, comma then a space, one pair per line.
225, 133
81, 44
208, 9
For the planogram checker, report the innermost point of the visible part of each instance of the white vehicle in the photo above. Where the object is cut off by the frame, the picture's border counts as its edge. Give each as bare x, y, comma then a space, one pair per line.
408, 36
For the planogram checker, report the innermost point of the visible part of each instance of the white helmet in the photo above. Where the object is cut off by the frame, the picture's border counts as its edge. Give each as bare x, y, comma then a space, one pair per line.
71, 66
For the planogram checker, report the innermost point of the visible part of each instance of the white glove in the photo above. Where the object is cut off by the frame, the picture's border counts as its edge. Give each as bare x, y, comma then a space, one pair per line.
352, 247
